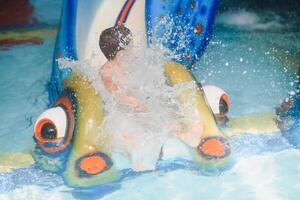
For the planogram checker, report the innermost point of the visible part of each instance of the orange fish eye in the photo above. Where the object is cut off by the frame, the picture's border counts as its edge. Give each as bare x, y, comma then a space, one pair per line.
55, 126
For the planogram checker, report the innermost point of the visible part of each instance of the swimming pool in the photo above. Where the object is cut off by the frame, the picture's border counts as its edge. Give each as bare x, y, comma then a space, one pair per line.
253, 60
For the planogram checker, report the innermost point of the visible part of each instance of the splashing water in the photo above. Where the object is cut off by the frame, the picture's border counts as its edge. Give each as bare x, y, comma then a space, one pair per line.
258, 21
139, 134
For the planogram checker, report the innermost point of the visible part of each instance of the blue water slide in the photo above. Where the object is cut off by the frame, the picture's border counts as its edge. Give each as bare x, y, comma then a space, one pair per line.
64, 48
184, 26
187, 34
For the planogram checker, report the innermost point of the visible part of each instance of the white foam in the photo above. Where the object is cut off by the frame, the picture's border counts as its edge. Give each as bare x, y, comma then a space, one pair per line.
250, 20
259, 172
138, 135
33, 192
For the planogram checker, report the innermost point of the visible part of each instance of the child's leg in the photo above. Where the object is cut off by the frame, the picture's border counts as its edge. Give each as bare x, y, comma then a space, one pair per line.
145, 158
142, 153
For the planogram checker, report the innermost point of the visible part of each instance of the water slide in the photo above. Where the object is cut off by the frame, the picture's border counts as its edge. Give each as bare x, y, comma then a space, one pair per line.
183, 27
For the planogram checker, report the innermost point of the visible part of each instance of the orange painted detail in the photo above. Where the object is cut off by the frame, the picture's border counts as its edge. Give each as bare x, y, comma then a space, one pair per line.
198, 29
187, 56
193, 4
213, 147
93, 164
58, 55
125, 12
64, 82
285, 106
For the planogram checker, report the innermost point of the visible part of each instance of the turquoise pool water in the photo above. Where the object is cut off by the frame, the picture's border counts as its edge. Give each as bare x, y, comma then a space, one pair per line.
252, 56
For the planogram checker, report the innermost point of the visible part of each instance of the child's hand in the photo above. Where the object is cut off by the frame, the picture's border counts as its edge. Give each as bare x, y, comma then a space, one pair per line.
138, 105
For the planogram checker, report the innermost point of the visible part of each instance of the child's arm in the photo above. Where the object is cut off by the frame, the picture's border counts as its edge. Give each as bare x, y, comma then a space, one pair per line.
127, 99
107, 80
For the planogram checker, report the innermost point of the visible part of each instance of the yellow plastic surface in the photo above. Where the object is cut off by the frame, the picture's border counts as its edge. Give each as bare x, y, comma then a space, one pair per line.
14, 160
88, 134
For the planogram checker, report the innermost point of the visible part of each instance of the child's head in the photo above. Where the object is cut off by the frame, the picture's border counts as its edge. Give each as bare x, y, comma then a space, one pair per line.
114, 39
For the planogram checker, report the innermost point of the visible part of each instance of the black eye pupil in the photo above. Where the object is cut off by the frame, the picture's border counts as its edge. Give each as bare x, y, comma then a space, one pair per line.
223, 107
48, 131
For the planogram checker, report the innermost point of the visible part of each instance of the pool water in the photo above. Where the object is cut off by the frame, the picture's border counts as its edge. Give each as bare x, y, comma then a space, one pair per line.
252, 56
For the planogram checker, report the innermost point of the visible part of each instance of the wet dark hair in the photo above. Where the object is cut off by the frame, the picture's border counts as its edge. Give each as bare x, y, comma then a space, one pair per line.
114, 39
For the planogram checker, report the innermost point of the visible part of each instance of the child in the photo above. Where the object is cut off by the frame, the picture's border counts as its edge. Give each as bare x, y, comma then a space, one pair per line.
138, 128
112, 42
